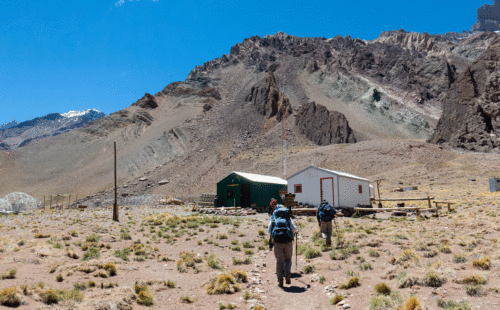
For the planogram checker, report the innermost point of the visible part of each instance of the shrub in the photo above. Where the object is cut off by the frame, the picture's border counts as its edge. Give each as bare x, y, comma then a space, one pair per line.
93, 238
406, 255
248, 245
353, 282
59, 278
445, 249
475, 279
170, 284
110, 268
223, 284
322, 279
49, 297
42, 236
123, 253
101, 274
336, 299
261, 232
221, 236
246, 261
453, 305
430, 254
9, 297
125, 236
11, 274
341, 254
483, 263
308, 269
365, 266
91, 253
311, 253
249, 252
459, 258
74, 233
373, 253
240, 275
474, 290
432, 279
412, 303
383, 302
145, 298
213, 262
186, 299
383, 289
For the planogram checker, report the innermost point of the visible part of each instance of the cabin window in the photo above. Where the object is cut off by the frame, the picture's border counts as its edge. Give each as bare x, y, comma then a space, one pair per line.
229, 194
297, 188
360, 189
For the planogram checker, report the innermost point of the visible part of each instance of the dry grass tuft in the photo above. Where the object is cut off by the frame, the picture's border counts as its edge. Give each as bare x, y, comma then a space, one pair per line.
226, 283
9, 297
412, 303
482, 263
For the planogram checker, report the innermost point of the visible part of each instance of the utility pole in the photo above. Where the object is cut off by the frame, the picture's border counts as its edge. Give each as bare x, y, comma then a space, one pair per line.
378, 190
115, 206
284, 138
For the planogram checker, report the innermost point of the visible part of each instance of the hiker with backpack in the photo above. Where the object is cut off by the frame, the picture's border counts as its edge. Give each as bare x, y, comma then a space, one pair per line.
325, 215
282, 229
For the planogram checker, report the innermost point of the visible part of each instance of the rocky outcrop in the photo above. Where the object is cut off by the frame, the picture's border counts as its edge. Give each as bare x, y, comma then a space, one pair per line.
471, 108
323, 127
421, 42
488, 17
268, 99
147, 102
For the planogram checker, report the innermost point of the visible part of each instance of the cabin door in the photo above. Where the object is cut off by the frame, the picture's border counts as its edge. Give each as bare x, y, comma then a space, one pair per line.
326, 190
245, 195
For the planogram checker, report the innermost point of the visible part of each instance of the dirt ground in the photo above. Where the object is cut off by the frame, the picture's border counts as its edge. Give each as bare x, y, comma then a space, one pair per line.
167, 255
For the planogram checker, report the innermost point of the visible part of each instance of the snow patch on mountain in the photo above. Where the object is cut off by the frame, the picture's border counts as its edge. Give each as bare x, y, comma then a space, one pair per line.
9, 124
91, 114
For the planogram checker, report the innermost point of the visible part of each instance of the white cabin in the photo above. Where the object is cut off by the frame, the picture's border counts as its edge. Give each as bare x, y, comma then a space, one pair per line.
313, 184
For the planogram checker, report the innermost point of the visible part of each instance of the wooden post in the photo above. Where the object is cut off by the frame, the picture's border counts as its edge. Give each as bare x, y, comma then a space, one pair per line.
429, 200
115, 206
378, 190
44, 201
449, 207
76, 200
50, 202
418, 212
62, 202
69, 201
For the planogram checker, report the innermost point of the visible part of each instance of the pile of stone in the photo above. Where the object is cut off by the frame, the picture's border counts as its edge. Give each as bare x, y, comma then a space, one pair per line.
227, 211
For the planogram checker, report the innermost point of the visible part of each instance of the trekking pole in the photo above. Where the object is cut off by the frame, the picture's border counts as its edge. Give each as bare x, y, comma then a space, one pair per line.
296, 247
338, 235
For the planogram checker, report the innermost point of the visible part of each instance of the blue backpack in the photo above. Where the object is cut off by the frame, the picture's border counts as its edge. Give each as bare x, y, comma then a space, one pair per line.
326, 212
281, 231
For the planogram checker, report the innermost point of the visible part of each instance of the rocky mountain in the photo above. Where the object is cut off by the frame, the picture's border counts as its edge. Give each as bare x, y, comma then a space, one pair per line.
17, 135
488, 17
228, 115
471, 109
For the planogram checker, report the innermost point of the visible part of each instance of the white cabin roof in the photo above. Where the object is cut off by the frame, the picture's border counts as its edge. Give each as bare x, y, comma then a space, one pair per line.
342, 174
261, 178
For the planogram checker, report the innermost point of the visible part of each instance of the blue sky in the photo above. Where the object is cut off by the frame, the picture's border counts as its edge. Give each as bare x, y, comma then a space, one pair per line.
62, 55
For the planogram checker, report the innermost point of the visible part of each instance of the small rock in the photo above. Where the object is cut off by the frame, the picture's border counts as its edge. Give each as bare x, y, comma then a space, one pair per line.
162, 182
346, 306
143, 179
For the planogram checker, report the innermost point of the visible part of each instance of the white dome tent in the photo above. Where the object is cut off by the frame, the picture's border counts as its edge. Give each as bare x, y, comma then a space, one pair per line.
21, 202
5, 206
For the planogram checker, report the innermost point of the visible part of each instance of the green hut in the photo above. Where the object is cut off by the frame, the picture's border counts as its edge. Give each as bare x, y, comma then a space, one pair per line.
244, 189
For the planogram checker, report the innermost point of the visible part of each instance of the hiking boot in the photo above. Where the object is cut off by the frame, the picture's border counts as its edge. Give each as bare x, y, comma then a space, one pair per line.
288, 281
280, 283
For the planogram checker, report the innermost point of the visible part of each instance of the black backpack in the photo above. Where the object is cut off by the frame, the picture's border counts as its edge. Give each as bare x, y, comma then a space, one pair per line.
326, 212
281, 232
